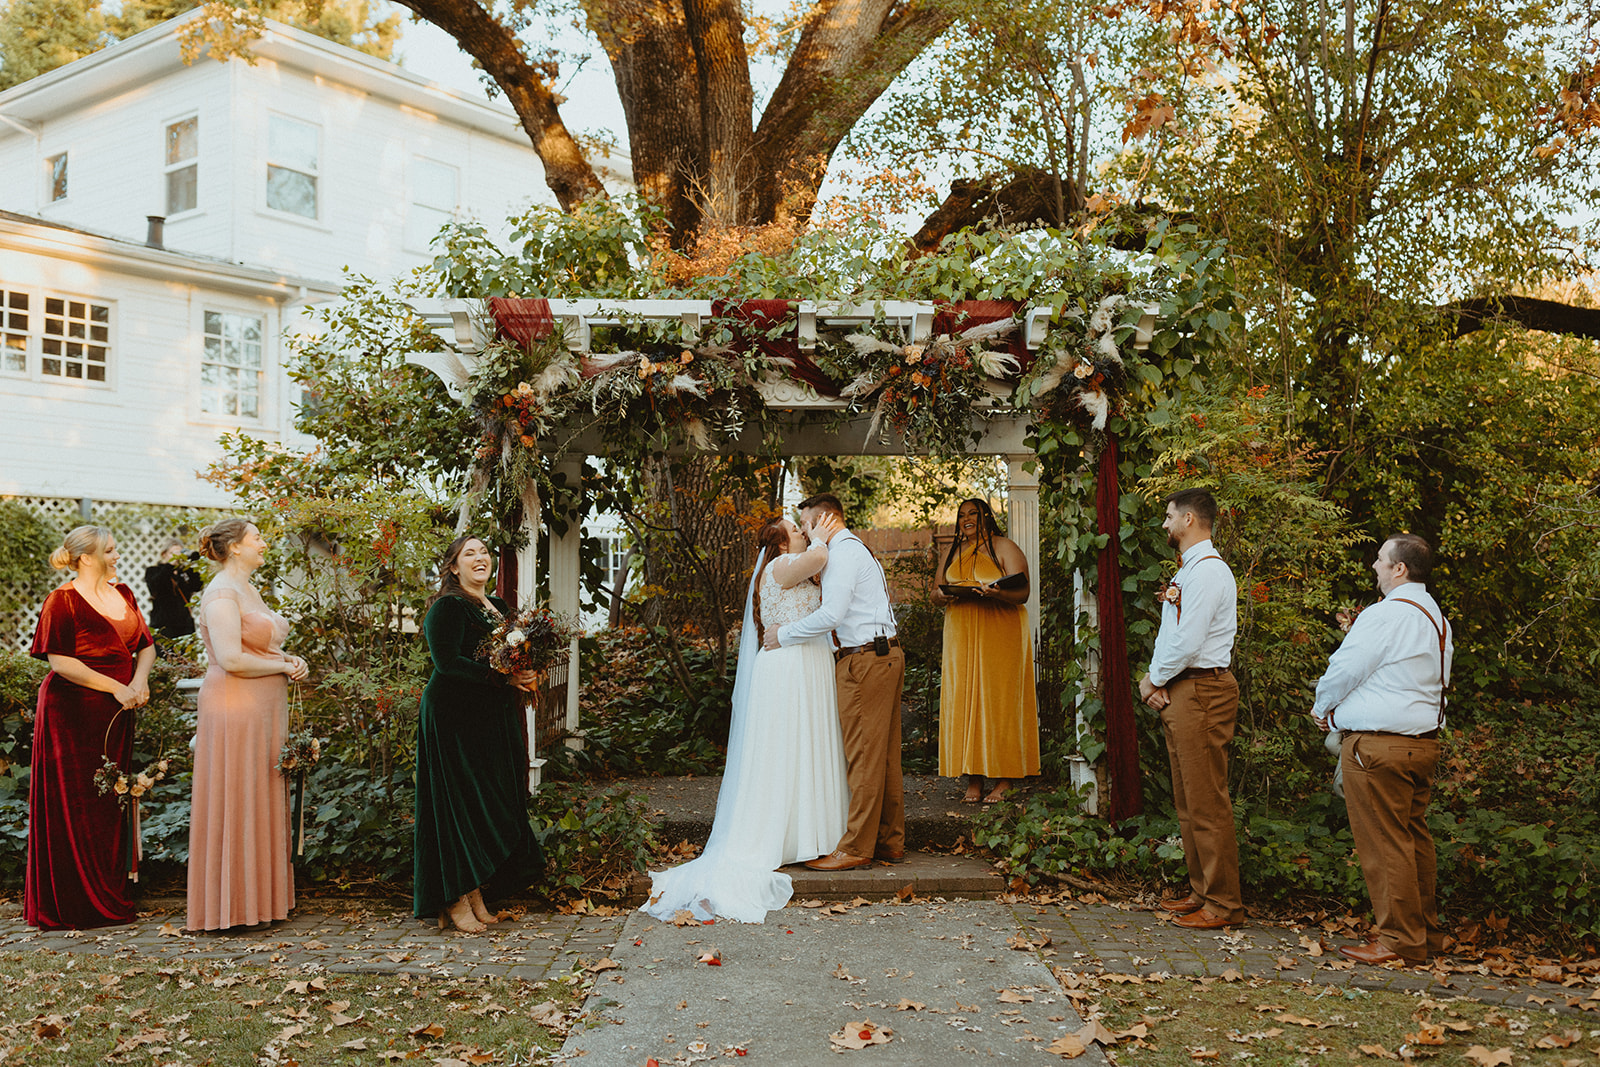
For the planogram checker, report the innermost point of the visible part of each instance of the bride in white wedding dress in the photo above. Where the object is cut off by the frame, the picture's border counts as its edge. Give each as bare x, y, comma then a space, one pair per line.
784, 793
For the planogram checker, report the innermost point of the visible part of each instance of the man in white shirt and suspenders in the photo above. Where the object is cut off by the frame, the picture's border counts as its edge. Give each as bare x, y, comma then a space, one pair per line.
869, 671
1191, 684
1384, 688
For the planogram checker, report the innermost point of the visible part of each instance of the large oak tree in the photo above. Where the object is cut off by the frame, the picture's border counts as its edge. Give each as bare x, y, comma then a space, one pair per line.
683, 71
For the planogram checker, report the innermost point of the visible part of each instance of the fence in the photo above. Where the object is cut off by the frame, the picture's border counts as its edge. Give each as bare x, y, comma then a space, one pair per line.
140, 529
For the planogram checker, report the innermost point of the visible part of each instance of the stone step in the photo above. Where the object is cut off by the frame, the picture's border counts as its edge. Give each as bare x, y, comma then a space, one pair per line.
927, 874
681, 809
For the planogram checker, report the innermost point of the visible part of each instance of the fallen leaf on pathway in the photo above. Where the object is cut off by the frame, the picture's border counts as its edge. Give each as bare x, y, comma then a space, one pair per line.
339, 1018
1378, 1051
1067, 1047
1459, 1027
1285, 963
358, 1045
1008, 997
906, 892
860, 1035
604, 964
1485, 1057
711, 959
1204, 1054
1232, 974
843, 975
290, 1031
431, 1030
49, 1027
170, 930
545, 1013
1093, 1032
1124, 979
1428, 1034
1566, 1040
909, 1005
1313, 948
1300, 1020
683, 918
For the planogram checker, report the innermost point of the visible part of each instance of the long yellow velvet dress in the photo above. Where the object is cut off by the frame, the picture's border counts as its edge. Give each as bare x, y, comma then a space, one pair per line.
988, 711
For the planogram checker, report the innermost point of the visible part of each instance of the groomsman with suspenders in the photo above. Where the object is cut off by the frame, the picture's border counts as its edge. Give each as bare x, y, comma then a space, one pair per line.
869, 671
1384, 688
1191, 684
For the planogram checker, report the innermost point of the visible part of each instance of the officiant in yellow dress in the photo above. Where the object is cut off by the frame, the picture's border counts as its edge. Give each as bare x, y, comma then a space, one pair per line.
988, 710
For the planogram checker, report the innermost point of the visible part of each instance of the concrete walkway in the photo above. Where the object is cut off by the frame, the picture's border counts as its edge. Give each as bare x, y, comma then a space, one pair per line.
844, 962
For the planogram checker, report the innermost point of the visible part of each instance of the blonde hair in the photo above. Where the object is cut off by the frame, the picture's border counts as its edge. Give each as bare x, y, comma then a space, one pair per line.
216, 539
82, 541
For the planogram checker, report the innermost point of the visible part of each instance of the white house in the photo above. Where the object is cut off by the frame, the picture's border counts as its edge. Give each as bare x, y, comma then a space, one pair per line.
128, 346
313, 159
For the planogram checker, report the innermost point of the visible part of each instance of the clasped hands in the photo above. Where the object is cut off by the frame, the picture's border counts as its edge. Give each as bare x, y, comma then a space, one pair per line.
298, 670
527, 681
1153, 695
132, 696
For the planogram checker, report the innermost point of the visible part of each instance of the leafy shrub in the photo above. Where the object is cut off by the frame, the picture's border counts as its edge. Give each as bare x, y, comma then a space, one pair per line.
593, 842
636, 716
26, 541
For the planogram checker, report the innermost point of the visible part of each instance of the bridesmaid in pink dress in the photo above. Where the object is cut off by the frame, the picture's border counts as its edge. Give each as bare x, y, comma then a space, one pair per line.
239, 870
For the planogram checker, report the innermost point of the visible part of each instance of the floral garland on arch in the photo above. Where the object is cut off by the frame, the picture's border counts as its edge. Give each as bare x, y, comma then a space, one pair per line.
530, 395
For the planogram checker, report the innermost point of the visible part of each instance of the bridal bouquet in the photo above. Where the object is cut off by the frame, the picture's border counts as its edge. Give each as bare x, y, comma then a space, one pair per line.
531, 640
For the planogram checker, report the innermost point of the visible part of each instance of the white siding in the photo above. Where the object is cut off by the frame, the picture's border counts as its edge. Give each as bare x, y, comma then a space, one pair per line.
141, 436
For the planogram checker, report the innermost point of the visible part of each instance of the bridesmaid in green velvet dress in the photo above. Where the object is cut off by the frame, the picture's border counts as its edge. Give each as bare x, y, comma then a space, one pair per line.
472, 829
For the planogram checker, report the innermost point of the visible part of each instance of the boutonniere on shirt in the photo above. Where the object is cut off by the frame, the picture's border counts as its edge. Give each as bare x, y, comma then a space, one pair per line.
1347, 617
1171, 593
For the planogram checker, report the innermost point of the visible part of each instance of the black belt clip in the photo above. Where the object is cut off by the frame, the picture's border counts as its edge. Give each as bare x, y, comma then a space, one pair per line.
880, 645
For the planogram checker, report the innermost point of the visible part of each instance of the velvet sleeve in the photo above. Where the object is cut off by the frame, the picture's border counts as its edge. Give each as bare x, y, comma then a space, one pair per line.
57, 632
453, 643
144, 640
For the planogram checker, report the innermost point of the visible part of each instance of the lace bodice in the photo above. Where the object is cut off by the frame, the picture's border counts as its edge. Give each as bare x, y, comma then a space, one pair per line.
780, 606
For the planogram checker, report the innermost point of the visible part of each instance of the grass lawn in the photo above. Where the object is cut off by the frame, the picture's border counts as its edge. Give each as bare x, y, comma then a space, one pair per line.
1260, 1021
72, 1008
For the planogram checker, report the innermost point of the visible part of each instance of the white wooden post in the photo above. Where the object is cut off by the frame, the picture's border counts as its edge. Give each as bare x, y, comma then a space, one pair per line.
527, 584
566, 573
1022, 523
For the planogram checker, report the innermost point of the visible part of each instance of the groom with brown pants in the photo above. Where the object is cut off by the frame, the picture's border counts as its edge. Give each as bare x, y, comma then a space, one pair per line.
869, 671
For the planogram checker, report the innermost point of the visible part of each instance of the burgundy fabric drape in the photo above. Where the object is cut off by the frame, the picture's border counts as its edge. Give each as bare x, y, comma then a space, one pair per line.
521, 319
762, 316
1116, 681
954, 318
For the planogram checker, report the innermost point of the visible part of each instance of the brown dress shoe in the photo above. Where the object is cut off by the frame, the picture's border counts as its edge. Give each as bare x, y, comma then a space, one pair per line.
1373, 952
1202, 920
838, 861
1188, 904
884, 855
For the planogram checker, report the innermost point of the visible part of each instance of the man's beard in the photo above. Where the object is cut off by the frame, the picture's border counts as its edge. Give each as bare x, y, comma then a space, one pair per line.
1172, 540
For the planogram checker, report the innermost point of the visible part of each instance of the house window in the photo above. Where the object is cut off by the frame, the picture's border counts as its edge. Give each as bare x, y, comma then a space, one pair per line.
292, 166
13, 331
434, 196
77, 339
58, 177
182, 167
230, 371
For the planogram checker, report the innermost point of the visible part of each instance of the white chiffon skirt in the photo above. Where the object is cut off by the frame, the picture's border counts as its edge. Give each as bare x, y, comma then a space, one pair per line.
784, 795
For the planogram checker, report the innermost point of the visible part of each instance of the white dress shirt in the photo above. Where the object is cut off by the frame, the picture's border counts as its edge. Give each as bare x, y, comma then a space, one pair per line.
1387, 674
1199, 631
855, 598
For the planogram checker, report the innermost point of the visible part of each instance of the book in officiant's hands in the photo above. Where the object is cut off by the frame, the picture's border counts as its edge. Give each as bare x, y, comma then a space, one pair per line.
969, 591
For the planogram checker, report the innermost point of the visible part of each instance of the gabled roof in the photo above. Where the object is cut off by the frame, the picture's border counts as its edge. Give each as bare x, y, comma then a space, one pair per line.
33, 234
154, 53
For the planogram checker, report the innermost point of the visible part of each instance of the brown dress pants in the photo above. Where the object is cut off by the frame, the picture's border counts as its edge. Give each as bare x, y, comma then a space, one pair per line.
1198, 723
1388, 781
869, 717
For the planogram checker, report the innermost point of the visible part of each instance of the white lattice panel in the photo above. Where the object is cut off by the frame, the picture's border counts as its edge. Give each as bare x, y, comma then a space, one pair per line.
140, 529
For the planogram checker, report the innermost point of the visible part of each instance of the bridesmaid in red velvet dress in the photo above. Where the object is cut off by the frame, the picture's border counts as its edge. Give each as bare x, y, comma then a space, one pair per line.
100, 653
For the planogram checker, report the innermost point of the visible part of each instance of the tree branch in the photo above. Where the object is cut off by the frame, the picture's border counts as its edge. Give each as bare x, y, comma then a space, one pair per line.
496, 48
1549, 316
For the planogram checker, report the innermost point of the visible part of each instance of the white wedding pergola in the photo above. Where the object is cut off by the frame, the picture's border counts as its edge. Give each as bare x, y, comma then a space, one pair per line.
811, 426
